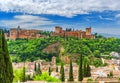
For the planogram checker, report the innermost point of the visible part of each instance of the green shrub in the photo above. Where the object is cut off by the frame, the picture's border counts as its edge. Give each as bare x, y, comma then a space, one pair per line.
89, 79
18, 73
45, 77
119, 78
97, 62
105, 64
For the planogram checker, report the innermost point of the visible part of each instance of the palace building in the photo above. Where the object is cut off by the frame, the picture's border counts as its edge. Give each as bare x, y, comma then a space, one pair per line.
73, 33
18, 33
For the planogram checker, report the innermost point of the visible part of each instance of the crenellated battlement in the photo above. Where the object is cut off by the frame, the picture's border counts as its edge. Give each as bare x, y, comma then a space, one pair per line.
73, 33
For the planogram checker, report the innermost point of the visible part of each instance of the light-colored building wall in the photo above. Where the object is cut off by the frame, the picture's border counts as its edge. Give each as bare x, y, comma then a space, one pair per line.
22, 33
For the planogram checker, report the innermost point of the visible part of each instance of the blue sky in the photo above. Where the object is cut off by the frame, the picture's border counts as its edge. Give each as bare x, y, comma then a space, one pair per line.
102, 15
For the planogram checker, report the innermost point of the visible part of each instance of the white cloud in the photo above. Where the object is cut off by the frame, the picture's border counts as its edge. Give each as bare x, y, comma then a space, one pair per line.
117, 16
102, 18
26, 21
66, 8
117, 19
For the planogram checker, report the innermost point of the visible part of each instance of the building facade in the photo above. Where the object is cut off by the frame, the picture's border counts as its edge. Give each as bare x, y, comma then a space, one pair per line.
72, 33
19, 33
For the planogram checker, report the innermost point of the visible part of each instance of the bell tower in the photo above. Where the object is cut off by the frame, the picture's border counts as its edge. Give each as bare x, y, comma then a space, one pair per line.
88, 31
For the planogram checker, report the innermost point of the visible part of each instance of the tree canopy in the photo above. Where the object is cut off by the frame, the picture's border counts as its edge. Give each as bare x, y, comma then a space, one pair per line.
31, 49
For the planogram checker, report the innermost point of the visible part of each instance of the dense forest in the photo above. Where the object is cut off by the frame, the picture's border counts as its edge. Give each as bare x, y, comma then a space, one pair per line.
32, 49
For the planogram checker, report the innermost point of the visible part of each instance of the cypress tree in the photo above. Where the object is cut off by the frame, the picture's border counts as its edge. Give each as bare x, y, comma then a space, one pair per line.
80, 74
39, 72
111, 74
61, 67
6, 70
57, 69
35, 67
23, 77
88, 70
71, 72
49, 71
28, 77
85, 69
62, 76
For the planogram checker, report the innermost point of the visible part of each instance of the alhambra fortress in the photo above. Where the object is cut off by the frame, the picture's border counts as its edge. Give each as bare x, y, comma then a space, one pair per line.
18, 33
73, 33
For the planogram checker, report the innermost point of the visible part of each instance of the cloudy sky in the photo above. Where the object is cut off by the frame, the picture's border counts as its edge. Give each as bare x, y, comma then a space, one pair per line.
102, 15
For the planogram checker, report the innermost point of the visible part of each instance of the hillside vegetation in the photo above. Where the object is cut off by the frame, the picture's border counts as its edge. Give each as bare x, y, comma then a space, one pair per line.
33, 49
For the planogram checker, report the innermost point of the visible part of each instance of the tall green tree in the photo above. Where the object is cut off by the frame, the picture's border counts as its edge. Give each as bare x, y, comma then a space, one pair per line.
62, 75
23, 76
56, 68
111, 74
39, 72
88, 70
71, 72
80, 71
6, 70
49, 71
35, 67
85, 69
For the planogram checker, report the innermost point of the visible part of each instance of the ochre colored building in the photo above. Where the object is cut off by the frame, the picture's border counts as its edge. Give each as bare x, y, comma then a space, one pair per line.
71, 33
15, 33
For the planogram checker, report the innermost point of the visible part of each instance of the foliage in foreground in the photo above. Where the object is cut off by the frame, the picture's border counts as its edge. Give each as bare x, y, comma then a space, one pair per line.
6, 70
19, 75
45, 77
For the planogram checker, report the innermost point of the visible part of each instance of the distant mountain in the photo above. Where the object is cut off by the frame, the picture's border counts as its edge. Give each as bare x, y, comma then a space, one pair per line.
5, 29
2, 27
109, 35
